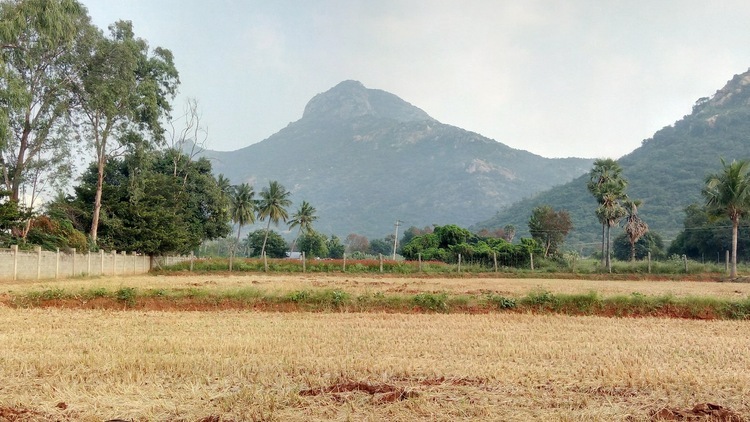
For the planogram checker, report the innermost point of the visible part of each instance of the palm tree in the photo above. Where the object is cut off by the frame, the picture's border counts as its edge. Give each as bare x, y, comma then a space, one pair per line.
243, 206
727, 194
635, 227
303, 219
272, 205
606, 181
610, 212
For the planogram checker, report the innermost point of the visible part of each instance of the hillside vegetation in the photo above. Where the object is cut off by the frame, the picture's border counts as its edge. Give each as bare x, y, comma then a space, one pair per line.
667, 171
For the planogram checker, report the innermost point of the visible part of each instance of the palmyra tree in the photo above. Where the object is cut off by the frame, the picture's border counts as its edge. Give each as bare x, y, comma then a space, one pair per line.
635, 227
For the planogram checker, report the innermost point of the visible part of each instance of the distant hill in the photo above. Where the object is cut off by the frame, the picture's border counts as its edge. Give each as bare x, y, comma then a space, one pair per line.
366, 158
667, 171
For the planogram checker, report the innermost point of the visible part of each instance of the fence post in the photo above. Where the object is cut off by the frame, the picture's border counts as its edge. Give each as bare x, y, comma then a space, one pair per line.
38, 262
133, 254
649, 262
304, 262
14, 249
101, 267
684, 258
88, 266
459, 263
57, 263
265, 261
531, 256
381, 262
114, 262
419, 256
344, 270
192, 259
726, 260
74, 262
494, 258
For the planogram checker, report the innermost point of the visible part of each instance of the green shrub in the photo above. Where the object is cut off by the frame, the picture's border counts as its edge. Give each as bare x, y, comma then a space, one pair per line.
431, 301
127, 295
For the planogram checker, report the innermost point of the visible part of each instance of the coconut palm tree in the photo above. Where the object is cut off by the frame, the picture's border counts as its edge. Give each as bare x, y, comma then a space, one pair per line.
635, 227
303, 219
727, 194
242, 206
605, 180
272, 205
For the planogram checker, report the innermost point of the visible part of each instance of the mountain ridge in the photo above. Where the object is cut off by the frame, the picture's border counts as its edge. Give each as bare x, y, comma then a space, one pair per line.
366, 158
666, 171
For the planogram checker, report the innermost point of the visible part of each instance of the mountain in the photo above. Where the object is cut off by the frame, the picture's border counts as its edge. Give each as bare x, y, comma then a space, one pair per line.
366, 158
667, 171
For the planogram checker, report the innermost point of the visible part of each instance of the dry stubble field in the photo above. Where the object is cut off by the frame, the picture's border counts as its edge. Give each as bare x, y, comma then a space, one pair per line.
93, 365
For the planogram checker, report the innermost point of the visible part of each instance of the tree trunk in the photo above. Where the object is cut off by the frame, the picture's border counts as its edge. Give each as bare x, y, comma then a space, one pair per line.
603, 235
265, 238
20, 158
97, 200
609, 260
735, 229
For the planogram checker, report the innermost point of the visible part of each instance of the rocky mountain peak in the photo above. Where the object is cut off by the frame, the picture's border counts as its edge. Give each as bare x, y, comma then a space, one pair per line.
350, 99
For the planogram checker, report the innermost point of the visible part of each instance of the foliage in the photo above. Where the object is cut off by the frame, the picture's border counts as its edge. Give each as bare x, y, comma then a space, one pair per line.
274, 199
313, 244
303, 218
147, 208
705, 237
276, 246
635, 227
242, 205
356, 243
549, 228
381, 246
649, 242
121, 92
39, 39
727, 194
335, 248
445, 243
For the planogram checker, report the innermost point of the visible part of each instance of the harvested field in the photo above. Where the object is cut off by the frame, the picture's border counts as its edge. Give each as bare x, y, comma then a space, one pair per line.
392, 284
94, 365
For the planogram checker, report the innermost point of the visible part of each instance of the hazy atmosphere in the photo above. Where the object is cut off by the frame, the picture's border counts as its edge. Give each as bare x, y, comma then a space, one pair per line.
574, 78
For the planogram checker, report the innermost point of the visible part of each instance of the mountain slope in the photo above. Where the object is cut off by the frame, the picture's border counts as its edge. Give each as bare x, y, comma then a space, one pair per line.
365, 158
667, 172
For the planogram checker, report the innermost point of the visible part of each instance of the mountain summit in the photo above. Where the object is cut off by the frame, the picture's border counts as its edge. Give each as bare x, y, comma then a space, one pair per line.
350, 99
366, 158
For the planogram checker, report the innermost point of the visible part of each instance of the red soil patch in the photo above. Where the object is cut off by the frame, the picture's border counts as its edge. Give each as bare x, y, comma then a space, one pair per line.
699, 412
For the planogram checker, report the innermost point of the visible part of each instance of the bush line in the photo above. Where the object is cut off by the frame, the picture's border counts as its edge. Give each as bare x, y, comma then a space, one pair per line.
537, 301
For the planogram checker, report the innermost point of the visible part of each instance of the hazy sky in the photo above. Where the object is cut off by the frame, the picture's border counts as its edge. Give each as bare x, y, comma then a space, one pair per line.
557, 78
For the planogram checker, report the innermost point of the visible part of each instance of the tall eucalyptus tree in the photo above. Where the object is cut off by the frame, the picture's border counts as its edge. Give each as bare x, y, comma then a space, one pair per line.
122, 90
38, 40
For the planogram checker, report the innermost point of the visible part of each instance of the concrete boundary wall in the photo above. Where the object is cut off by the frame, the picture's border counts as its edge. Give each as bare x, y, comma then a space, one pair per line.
40, 265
